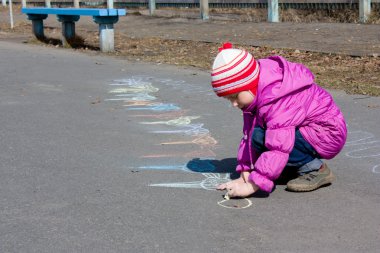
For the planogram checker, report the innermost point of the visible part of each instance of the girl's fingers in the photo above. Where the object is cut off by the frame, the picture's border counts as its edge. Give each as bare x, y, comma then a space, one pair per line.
231, 193
221, 187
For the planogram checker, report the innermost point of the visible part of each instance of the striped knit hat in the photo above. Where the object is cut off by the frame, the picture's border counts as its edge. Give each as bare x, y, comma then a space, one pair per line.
233, 71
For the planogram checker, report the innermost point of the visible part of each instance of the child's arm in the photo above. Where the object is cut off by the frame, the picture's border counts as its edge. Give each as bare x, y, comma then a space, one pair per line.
244, 158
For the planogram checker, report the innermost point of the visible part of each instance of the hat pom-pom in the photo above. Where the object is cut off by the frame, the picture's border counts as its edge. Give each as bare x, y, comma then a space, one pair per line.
226, 45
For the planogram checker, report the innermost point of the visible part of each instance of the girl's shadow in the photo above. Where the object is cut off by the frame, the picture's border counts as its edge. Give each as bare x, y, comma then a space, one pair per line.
223, 166
228, 165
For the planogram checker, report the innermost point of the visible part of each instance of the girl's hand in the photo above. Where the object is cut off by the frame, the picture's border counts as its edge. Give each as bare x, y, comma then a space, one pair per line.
239, 188
243, 178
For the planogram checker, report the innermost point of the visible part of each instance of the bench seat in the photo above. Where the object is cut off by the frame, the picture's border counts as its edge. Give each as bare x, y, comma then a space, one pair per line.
75, 11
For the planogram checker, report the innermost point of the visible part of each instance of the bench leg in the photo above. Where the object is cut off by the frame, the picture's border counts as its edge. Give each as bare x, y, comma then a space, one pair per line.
106, 32
68, 33
68, 28
38, 25
106, 37
38, 28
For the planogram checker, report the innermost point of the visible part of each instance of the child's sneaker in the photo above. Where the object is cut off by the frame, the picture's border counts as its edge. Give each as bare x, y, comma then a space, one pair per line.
312, 181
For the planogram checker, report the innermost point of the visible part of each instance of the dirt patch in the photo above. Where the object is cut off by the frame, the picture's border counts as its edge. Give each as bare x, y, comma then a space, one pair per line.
355, 75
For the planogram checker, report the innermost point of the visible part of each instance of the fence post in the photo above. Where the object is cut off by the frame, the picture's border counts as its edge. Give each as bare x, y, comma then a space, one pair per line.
11, 13
364, 10
152, 6
76, 3
273, 11
4, 2
48, 3
110, 4
204, 9
23, 3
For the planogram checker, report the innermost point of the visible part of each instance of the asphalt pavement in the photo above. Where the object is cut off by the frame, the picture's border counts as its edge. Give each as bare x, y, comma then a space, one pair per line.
100, 154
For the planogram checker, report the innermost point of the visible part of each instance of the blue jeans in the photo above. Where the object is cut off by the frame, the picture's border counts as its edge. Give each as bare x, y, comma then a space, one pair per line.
303, 156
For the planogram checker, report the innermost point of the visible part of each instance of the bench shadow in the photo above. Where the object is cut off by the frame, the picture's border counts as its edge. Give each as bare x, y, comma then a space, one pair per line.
228, 165
77, 43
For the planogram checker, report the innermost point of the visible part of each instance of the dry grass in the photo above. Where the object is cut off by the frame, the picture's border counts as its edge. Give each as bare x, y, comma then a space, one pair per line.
298, 15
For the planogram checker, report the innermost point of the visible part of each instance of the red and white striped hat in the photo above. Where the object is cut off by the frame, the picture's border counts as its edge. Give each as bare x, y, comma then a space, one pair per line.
233, 71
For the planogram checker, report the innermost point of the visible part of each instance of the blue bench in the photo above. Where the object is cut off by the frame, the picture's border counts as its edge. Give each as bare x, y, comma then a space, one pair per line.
68, 16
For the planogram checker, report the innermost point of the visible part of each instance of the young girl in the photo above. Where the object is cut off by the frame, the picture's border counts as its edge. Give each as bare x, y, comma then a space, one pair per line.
288, 121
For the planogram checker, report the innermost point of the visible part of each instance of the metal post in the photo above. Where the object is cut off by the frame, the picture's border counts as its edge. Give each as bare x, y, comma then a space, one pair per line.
76, 3
204, 9
11, 13
273, 11
4, 2
152, 6
110, 4
48, 3
364, 10
23, 3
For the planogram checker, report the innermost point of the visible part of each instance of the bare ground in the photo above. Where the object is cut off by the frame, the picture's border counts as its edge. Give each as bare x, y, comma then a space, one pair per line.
355, 75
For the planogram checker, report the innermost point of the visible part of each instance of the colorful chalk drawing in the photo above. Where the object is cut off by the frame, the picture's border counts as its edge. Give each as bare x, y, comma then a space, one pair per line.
192, 129
136, 94
196, 165
204, 140
363, 145
183, 120
211, 181
129, 98
204, 153
163, 115
158, 107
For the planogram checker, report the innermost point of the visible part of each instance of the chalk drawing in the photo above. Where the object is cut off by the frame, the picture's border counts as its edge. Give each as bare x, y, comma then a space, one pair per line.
158, 107
183, 120
163, 115
362, 145
211, 181
179, 84
132, 97
204, 153
371, 151
376, 169
138, 103
145, 88
197, 165
204, 140
136, 92
192, 129
236, 203
130, 82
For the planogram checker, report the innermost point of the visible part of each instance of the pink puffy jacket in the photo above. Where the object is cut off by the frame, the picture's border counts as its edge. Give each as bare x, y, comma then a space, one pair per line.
287, 98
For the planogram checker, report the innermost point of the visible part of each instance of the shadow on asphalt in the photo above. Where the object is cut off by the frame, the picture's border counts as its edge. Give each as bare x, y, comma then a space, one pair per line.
228, 165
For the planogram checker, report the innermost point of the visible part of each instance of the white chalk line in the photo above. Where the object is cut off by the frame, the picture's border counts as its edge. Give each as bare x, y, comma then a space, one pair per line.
363, 138
374, 169
220, 203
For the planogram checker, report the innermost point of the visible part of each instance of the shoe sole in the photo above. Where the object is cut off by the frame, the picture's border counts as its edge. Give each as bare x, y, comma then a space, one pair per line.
325, 181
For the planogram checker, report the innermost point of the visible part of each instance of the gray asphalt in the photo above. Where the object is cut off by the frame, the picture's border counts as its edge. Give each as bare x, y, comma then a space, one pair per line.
83, 171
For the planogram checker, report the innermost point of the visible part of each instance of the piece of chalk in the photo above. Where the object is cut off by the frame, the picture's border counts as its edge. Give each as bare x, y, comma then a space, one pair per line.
226, 196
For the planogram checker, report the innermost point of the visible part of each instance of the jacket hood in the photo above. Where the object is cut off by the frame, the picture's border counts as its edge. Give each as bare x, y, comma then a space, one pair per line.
279, 77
